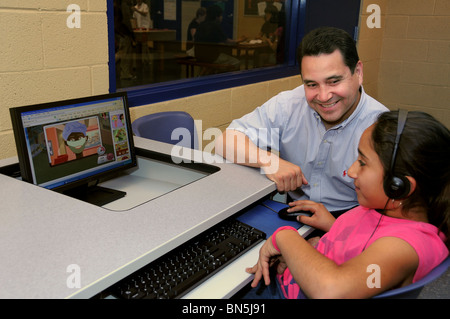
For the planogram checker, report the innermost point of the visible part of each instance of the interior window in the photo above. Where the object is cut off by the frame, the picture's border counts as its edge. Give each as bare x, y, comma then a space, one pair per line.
159, 41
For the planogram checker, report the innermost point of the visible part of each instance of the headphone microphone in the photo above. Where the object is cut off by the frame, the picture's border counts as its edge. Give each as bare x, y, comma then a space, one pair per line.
397, 186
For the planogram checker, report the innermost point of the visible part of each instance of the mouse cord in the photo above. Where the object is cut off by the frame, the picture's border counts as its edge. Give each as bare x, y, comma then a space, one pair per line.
266, 206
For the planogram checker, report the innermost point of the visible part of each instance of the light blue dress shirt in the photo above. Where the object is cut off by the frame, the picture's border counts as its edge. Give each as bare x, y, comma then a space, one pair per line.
287, 124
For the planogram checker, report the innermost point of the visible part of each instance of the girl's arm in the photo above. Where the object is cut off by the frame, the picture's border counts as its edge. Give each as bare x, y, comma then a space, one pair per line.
320, 277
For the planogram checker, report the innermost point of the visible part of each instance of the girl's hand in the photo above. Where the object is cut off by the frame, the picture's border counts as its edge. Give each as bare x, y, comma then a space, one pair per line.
267, 257
321, 218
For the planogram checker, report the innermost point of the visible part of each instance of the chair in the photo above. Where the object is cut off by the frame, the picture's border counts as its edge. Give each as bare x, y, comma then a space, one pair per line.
413, 290
173, 127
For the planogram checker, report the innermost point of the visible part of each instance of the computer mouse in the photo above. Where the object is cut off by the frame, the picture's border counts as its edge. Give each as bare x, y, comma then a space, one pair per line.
284, 214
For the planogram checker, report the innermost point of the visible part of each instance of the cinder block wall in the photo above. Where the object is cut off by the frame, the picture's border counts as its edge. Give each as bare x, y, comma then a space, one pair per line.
43, 60
414, 71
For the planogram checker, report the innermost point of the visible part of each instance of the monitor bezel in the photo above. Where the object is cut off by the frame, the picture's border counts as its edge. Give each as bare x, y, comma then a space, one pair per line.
22, 150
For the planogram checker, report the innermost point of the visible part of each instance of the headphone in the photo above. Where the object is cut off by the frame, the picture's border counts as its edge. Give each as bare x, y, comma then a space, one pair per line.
397, 186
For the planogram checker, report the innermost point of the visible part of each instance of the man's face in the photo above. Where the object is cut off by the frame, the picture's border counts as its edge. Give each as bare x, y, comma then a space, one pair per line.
330, 87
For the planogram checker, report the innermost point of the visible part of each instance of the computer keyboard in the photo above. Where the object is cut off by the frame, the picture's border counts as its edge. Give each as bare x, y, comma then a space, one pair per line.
181, 270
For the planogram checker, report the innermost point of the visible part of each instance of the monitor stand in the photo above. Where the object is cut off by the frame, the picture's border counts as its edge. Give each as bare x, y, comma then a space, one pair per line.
96, 195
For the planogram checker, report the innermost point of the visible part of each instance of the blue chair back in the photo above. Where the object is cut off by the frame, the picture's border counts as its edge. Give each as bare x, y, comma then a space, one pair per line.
413, 290
161, 127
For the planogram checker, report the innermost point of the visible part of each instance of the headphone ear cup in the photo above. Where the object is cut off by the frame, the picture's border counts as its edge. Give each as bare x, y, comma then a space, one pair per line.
396, 187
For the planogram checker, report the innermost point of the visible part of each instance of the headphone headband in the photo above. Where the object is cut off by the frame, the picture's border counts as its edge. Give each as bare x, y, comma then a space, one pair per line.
402, 115
397, 186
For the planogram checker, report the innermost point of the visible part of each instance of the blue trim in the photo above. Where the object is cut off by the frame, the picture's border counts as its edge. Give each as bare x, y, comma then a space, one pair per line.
292, 22
302, 18
177, 89
111, 46
165, 91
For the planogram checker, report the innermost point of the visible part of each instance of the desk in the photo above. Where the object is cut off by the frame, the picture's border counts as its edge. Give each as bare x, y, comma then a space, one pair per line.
159, 36
246, 47
47, 238
154, 35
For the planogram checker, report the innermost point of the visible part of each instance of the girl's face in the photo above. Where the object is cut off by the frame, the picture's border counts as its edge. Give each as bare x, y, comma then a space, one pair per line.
368, 173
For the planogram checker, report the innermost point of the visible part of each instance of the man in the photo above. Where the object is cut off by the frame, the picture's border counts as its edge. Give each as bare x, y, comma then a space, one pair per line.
315, 127
200, 16
142, 15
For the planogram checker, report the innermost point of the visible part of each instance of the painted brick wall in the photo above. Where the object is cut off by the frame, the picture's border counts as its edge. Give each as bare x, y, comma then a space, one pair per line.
43, 60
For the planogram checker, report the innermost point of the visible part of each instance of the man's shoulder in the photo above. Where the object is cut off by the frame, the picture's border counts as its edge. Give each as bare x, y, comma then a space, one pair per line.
373, 105
288, 100
297, 93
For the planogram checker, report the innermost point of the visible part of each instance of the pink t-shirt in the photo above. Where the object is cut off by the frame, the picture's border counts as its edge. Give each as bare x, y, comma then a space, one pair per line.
354, 231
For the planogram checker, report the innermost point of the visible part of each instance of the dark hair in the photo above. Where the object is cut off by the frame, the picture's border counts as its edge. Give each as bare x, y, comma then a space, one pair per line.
270, 8
213, 12
327, 40
200, 12
423, 153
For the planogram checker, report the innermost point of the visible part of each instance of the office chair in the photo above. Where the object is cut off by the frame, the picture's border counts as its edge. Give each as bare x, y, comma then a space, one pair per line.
161, 126
413, 290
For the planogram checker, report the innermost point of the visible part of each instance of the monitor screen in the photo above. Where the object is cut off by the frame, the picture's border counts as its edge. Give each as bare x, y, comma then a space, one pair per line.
68, 145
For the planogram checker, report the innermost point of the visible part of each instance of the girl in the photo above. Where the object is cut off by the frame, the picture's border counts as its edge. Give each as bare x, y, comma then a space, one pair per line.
400, 237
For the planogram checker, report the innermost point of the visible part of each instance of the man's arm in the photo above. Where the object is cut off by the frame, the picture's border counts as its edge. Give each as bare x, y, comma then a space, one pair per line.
237, 148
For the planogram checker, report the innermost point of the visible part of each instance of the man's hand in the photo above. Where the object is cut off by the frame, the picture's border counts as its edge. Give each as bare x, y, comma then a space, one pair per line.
287, 176
237, 147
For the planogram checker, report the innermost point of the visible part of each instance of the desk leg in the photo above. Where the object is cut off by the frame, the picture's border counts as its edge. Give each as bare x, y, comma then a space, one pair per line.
246, 59
161, 56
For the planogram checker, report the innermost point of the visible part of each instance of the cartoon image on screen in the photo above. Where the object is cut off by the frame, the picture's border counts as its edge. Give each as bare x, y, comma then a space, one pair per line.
118, 121
79, 145
73, 140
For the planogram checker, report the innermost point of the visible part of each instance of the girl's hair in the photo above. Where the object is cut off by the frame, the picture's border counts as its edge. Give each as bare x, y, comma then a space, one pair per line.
424, 154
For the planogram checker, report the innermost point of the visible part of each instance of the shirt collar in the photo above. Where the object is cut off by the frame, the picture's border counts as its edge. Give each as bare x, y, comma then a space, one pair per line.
358, 109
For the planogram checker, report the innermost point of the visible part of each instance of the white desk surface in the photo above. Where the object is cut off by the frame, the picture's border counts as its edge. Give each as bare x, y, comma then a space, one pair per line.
43, 233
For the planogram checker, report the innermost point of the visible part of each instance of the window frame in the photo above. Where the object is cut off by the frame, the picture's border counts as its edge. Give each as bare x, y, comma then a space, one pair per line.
164, 91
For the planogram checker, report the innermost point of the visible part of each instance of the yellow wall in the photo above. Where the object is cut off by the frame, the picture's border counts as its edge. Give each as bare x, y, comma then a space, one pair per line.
406, 62
414, 71
408, 58
42, 60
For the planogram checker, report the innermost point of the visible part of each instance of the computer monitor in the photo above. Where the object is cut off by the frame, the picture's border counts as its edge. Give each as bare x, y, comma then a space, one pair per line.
69, 146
